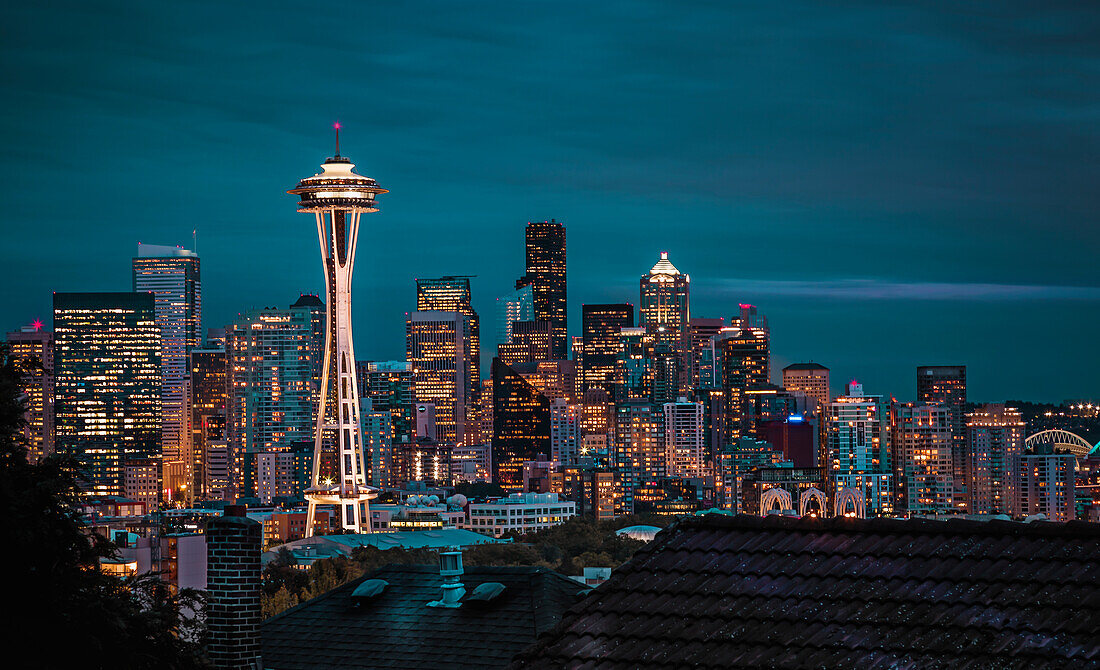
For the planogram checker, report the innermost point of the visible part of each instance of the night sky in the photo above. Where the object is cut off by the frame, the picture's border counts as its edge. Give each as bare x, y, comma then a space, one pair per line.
893, 185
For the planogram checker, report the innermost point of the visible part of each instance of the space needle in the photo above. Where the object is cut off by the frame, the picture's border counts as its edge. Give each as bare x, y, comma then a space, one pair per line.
337, 197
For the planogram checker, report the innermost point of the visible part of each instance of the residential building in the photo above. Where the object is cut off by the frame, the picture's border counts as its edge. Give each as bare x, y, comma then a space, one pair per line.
856, 451
946, 384
684, 439
639, 450
922, 448
1042, 482
744, 359
209, 400
565, 432
994, 437
809, 379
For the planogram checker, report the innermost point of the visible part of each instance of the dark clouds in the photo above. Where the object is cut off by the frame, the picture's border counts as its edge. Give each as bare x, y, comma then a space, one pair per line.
803, 155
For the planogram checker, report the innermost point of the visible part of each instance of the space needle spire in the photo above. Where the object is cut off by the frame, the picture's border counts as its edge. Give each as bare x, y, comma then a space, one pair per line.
337, 197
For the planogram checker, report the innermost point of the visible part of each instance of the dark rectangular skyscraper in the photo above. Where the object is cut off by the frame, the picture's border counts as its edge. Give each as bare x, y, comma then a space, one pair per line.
946, 384
107, 383
546, 274
601, 337
521, 426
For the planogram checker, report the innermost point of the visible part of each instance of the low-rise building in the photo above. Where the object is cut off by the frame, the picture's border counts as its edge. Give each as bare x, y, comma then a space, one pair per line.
520, 513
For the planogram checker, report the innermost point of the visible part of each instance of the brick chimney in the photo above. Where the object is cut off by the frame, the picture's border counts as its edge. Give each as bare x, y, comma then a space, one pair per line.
233, 546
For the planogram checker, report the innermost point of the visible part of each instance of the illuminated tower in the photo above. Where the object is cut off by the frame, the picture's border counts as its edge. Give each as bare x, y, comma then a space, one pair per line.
338, 197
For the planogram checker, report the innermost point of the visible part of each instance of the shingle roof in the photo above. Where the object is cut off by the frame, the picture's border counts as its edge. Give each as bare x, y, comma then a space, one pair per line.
720, 591
398, 630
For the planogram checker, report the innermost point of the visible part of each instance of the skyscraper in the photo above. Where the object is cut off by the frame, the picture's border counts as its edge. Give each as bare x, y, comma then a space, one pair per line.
921, 437
639, 450
701, 333
270, 382
209, 395
34, 346
518, 305
521, 426
547, 276
107, 384
435, 346
946, 384
810, 379
337, 198
744, 359
684, 439
856, 450
664, 310
994, 437
171, 274
531, 342
601, 337
452, 294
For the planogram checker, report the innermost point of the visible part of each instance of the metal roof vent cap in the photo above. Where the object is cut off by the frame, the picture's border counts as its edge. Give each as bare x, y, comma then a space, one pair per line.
450, 568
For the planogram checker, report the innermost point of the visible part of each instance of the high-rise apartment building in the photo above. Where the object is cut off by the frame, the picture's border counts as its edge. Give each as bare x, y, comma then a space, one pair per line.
601, 344
107, 384
809, 379
994, 437
209, 399
744, 358
1042, 482
922, 448
34, 347
639, 450
565, 432
684, 439
270, 388
946, 384
546, 274
452, 294
171, 274
664, 311
389, 386
435, 345
855, 449
521, 426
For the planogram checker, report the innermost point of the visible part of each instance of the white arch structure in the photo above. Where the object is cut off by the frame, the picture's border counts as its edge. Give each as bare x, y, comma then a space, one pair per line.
850, 496
775, 498
1061, 439
808, 495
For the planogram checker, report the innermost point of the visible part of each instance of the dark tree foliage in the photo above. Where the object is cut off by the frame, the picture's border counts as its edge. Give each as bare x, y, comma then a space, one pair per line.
62, 610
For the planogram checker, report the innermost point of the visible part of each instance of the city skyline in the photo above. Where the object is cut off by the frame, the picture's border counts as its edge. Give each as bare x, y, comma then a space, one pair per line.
877, 230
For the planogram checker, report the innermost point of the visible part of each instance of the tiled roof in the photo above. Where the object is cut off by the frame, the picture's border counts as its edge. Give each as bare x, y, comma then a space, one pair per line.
397, 629
721, 591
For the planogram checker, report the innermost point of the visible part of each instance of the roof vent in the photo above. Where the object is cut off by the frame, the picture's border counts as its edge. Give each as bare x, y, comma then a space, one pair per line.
371, 588
486, 592
450, 568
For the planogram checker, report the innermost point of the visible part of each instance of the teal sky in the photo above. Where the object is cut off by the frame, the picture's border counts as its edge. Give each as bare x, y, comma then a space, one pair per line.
893, 184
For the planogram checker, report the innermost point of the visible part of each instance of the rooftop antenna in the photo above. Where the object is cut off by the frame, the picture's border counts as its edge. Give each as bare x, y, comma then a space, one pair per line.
337, 127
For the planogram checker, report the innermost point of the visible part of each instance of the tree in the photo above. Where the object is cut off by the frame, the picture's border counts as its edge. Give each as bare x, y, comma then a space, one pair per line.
73, 614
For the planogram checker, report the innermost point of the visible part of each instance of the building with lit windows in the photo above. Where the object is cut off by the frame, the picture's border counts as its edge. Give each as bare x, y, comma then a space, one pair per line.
744, 357
378, 442
208, 388
565, 432
809, 379
856, 450
521, 426
639, 450
553, 379
34, 346
171, 274
684, 439
270, 387
664, 310
1042, 482
922, 448
452, 294
546, 275
946, 385
107, 384
435, 346
520, 513
389, 385
530, 343
592, 489
733, 462
601, 344
994, 437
